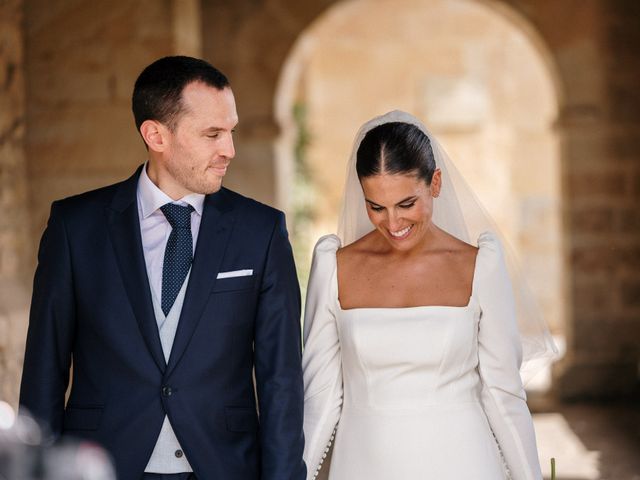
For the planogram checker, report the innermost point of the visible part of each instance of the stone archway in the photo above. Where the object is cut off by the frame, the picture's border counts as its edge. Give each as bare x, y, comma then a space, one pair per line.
463, 68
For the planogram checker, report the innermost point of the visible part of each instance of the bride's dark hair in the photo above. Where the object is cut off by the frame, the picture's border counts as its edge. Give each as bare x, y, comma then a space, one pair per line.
396, 148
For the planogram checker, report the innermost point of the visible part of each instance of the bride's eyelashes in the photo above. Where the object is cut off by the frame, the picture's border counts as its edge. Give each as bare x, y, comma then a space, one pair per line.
408, 205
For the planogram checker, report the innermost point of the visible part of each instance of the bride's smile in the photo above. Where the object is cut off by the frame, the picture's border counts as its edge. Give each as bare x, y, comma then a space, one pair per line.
402, 234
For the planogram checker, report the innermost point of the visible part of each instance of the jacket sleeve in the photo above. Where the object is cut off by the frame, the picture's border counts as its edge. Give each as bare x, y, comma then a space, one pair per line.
277, 351
321, 360
47, 358
499, 358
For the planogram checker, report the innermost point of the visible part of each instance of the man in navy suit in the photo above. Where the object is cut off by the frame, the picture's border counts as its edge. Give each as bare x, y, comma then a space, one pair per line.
167, 292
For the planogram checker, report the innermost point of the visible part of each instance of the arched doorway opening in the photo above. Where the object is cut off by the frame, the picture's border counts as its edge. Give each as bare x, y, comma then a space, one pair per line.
480, 78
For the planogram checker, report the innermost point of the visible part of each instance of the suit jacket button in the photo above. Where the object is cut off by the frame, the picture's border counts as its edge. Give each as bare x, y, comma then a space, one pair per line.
179, 454
166, 391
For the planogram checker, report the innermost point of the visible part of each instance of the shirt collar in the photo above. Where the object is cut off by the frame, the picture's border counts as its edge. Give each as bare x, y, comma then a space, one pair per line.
152, 198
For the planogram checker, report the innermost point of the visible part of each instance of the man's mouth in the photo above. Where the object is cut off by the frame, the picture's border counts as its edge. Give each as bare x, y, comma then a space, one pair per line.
219, 169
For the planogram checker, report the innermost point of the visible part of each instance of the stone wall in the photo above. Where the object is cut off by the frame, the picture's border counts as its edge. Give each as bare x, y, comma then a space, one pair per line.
14, 211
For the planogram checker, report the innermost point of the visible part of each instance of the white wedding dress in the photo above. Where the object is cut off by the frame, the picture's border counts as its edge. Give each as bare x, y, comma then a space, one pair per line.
428, 392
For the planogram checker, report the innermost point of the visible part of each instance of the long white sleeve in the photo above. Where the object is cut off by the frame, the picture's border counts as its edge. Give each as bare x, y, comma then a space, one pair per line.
499, 358
321, 361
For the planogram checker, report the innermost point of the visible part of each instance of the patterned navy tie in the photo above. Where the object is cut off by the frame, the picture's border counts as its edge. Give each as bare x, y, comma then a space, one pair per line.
178, 253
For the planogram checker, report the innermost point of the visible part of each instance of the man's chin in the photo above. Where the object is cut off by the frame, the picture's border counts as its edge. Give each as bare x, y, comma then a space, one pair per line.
211, 188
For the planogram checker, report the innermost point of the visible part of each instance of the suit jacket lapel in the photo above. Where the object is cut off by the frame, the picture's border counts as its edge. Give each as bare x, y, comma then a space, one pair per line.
215, 230
124, 229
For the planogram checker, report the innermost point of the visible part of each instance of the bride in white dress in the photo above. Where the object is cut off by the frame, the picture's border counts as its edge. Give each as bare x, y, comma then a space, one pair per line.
412, 350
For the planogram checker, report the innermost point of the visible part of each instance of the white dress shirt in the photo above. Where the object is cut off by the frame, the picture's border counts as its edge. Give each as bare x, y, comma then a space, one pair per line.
167, 456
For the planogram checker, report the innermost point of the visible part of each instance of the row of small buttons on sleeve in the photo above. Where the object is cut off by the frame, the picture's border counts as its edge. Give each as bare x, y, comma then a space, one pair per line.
325, 453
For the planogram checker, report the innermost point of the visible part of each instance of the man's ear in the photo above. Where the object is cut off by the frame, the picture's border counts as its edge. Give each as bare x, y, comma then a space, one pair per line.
436, 183
155, 135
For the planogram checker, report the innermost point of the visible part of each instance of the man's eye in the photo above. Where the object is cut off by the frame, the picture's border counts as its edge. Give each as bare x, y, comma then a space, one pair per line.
407, 205
213, 135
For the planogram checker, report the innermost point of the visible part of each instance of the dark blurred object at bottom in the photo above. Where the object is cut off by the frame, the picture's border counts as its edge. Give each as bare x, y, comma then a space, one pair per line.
28, 453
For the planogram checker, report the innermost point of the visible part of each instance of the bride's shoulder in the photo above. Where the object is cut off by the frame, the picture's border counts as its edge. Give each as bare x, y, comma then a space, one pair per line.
490, 254
358, 249
327, 244
324, 253
323, 264
489, 245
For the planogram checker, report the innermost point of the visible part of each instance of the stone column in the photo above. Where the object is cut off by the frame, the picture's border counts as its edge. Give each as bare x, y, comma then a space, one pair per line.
81, 62
600, 126
187, 28
14, 213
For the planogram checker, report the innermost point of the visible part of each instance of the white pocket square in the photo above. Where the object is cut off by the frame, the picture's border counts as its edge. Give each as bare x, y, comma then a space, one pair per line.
235, 273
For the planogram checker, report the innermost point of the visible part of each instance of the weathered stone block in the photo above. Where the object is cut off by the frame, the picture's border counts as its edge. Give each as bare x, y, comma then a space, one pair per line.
589, 260
592, 295
630, 296
628, 220
14, 308
602, 184
592, 219
583, 379
635, 183
609, 334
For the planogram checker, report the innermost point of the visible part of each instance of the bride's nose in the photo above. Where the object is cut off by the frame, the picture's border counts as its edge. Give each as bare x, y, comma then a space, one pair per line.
394, 221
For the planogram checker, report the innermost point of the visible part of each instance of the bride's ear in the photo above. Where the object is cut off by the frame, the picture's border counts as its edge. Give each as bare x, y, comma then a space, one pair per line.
436, 183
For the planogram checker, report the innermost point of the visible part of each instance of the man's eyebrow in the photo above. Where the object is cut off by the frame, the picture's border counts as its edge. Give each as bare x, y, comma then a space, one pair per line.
213, 128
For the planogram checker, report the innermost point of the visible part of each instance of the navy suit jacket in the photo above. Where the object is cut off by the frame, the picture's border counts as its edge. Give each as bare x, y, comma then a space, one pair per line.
92, 308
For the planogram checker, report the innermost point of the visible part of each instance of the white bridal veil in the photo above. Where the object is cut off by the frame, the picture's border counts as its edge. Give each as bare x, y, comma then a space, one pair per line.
458, 212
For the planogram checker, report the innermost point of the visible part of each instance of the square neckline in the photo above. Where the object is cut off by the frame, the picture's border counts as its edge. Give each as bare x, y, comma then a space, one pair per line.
412, 307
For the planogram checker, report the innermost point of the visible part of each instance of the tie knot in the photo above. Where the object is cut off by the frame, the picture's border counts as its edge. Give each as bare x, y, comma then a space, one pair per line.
177, 215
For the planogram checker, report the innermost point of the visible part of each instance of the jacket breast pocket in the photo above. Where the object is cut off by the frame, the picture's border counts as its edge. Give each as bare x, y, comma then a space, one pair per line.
82, 417
232, 284
241, 419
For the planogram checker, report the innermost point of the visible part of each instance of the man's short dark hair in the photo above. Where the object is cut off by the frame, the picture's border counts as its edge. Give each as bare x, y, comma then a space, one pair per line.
157, 94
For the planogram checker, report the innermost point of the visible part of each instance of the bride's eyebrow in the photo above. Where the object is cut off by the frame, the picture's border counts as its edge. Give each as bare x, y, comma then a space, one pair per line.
408, 199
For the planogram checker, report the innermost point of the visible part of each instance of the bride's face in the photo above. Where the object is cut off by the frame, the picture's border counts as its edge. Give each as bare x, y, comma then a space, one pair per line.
400, 206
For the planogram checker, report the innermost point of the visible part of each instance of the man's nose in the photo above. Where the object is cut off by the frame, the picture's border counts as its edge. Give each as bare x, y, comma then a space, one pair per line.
228, 149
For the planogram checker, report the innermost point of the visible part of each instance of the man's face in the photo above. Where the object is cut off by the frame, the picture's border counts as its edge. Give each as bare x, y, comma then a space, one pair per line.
201, 146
